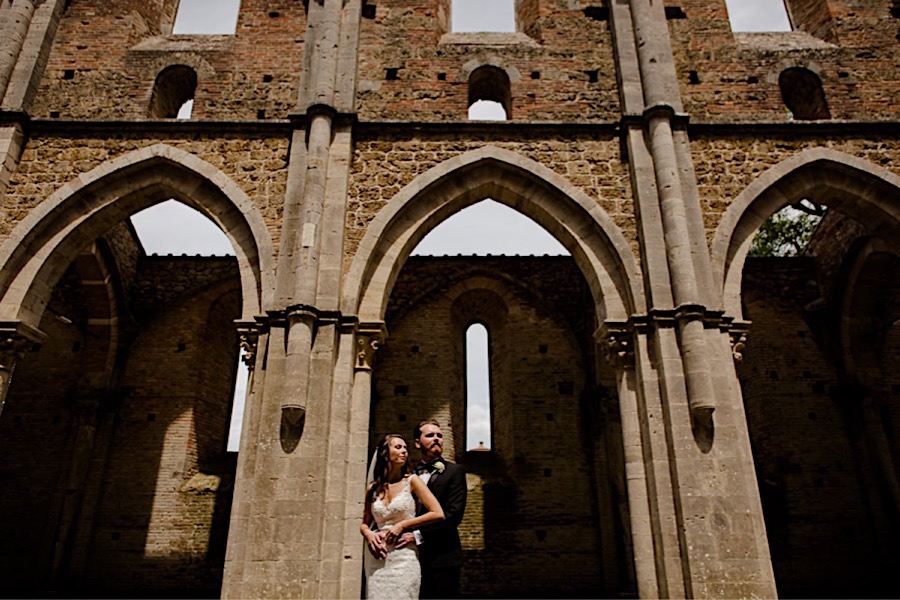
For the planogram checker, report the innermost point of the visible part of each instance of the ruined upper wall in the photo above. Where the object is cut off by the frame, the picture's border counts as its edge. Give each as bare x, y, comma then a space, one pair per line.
107, 55
850, 45
559, 61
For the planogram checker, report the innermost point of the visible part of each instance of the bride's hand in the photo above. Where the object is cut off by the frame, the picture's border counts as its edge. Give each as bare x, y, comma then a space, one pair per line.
375, 542
394, 533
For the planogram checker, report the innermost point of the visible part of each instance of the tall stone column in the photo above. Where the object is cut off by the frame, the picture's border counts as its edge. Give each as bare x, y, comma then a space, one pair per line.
14, 22
693, 465
289, 524
27, 30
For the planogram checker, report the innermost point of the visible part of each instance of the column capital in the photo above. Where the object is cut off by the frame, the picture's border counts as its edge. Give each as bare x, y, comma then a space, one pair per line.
369, 338
248, 332
616, 341
738, 332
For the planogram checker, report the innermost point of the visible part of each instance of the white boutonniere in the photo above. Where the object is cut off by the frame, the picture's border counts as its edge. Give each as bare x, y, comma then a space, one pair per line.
439, 467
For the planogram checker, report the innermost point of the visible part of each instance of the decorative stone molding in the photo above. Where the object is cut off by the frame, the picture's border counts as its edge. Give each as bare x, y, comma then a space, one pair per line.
617, 344
369, 338
738, 333
249, 339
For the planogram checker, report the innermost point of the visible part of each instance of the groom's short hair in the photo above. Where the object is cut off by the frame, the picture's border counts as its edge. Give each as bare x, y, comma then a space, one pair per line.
417, 433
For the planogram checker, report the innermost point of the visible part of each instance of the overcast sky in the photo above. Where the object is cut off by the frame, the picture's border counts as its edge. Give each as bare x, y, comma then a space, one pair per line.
484, 228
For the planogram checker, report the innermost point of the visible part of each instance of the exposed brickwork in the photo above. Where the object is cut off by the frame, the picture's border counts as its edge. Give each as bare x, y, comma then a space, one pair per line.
158, 495
604, 478
808, 437
258, 166
735, 76
116, 52
383, 166
727, 164
564, 73
531, 505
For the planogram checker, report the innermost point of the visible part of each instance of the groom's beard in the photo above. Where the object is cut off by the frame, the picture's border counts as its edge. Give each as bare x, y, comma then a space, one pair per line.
431, 454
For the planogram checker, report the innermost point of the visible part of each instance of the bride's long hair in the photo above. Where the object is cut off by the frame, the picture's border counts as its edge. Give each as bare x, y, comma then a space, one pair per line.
379, 478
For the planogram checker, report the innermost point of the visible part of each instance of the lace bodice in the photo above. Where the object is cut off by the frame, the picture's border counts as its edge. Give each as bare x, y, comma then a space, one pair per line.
402, 506
397, 576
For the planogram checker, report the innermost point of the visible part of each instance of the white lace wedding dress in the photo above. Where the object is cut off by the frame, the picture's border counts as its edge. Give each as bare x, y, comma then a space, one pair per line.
398, 575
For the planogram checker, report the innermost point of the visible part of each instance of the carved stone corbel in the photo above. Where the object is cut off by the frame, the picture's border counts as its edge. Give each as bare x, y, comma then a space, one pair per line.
738, 334
249, 339
368, 341
617, 344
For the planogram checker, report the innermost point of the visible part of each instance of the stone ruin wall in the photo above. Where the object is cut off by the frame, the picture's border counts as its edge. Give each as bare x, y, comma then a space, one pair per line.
534, 497
158, 500
412, 100
107, 55
257, 164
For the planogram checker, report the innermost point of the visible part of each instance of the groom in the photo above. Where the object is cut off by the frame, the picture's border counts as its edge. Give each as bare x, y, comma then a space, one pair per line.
440, 552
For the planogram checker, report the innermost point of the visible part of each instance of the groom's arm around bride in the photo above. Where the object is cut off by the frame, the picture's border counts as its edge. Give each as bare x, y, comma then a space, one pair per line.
440, 551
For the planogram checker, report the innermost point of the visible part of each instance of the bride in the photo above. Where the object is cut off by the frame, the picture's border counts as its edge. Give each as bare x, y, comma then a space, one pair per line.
392, 568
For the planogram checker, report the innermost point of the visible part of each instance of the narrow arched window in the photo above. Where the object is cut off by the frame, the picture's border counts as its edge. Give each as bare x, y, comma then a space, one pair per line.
802, 92
173, 89
489, 96
478, 388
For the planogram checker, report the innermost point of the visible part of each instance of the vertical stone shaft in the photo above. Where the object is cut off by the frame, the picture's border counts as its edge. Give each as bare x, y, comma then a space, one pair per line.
28, 68
14, 23
653, 51
291, 492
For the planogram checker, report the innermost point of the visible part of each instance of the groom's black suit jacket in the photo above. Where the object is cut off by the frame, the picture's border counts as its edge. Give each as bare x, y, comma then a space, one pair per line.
440, 541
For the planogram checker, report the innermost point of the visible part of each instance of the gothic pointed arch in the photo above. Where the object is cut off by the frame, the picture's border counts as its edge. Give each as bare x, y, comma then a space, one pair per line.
44, 243
854, 186
577, 221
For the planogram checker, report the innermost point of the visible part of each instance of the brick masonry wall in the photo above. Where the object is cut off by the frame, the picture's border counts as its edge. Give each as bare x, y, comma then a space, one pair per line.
814, 463
383, 164
563, 71
532, 504
161, 493
727, 164
154, 507
36, 432
258, 165
734, 77
106, 57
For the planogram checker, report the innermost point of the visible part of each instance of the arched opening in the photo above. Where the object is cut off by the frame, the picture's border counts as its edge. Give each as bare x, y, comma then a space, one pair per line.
173, 93
174, 228
802, 92
119, 420
478, 388
489, 94
546, 383
819, 383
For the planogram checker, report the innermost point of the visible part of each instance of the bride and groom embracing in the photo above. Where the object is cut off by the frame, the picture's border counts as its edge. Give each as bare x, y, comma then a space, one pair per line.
411, 518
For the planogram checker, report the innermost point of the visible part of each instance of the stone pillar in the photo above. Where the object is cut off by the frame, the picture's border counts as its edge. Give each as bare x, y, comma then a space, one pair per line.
14, 22
27, 30
28, 66
12, 141
87, 407
289, 528
696, 518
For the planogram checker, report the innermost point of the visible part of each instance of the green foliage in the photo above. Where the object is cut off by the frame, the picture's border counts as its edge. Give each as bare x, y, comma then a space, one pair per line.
786, 233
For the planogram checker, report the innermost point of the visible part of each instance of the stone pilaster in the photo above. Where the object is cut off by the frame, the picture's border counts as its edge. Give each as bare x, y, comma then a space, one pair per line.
693, 467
